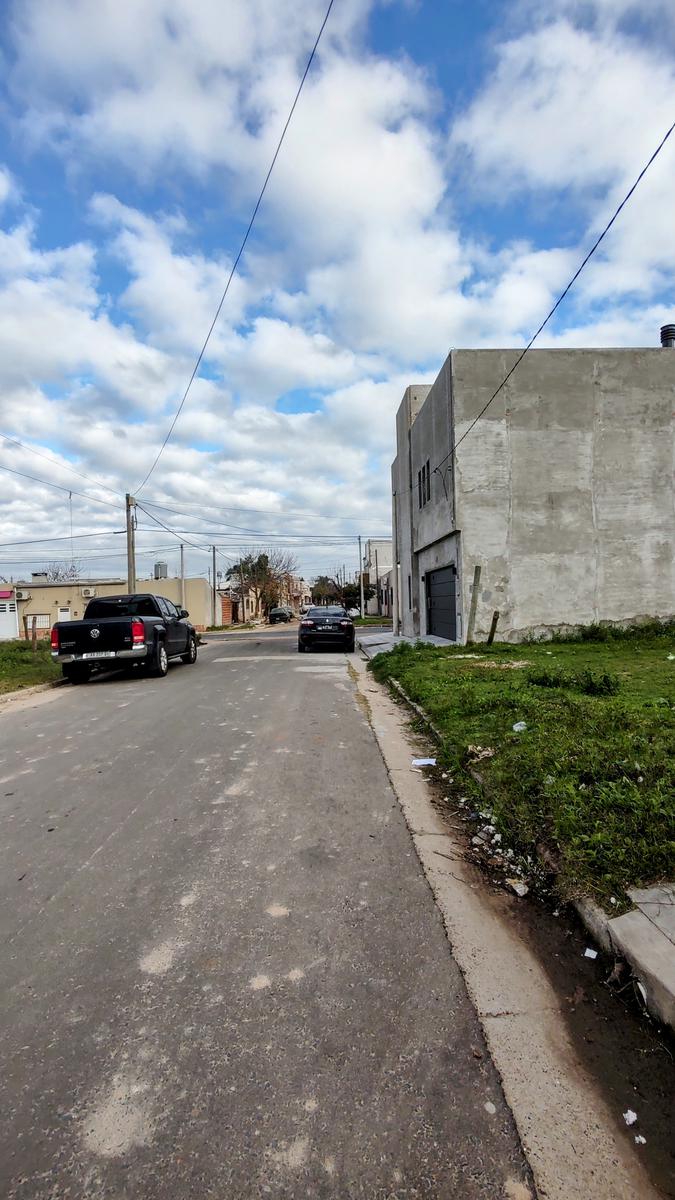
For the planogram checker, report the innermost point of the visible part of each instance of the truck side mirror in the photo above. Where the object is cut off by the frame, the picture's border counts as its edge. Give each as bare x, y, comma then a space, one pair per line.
184, 612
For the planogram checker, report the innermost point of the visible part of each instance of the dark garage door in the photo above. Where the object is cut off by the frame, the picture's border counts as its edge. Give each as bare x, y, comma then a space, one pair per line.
442, 602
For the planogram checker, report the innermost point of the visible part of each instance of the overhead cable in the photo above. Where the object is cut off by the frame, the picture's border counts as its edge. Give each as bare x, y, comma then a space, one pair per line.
56, 463
240, 252
561, 297
59, 487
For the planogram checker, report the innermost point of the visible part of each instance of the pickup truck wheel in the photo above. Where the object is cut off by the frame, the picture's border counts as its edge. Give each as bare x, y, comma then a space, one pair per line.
77, 674
160, 665
191, 654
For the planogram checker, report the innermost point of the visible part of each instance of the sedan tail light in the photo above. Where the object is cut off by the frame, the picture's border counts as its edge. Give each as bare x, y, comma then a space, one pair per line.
307, 624
347, 623
137, 632
55, 639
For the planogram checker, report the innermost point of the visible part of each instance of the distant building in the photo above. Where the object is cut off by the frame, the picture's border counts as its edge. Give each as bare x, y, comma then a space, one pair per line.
377, 563
51, 602
559, 501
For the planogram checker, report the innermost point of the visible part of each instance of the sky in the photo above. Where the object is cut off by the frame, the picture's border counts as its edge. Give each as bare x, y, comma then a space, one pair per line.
446, 168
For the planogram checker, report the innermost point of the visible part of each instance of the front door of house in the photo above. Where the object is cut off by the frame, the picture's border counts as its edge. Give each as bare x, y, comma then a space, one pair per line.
441, 589
9, 621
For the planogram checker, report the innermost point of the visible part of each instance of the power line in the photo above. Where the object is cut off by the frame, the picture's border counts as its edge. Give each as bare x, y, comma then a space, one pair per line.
241, 250
56, 463
59, 487
172, 531
268, 512
44, 541
561, 297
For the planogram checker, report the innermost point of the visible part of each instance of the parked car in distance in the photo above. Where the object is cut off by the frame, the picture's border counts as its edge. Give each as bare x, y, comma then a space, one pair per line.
280, 614
118, 631
329, 626
353, 612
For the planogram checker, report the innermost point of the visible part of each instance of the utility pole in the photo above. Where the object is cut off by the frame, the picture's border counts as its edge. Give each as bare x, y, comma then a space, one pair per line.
214, 584
363, 605
377, 585
242, 606
131, 544
182, 575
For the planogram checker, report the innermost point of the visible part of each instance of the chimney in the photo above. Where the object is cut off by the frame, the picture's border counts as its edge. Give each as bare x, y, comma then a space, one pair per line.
668, 336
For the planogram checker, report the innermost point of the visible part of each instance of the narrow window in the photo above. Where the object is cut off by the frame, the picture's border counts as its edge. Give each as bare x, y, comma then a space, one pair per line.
428, 481
419, 488
409, 592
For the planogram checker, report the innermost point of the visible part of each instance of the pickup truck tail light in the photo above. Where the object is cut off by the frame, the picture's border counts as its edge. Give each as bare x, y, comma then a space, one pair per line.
55, 639
137, 632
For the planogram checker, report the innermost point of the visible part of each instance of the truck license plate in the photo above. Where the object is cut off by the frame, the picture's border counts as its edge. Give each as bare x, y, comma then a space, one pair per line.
100, 654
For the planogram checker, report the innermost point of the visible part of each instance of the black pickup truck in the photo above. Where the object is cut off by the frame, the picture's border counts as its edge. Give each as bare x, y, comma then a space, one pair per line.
118, 631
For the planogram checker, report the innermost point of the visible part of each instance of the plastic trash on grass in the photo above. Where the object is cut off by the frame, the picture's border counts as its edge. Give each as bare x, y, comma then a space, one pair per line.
519, 727
423, 762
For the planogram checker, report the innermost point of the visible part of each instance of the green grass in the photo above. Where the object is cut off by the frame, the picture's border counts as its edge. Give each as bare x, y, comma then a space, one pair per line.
20, 668
228, 628
381, 621
589, 785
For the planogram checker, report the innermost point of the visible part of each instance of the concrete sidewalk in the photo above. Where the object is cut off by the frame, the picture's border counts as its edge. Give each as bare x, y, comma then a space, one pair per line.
379, 641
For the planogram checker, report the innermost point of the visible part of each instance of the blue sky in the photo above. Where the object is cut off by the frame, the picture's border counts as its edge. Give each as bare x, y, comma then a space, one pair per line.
447, 167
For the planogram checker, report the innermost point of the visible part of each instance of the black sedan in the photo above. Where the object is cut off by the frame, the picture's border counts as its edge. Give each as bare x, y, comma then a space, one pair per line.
330, 626
280, 614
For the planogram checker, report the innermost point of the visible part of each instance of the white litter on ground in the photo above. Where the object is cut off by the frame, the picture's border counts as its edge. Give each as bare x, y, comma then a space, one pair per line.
519, 726
640, 1140
588, 953
517, 885
423, 762
630, 1117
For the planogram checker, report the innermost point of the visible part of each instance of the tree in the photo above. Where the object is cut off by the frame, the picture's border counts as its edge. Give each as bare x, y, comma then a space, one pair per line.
265, 574
351, 594
325, 590
331, 591
57, 572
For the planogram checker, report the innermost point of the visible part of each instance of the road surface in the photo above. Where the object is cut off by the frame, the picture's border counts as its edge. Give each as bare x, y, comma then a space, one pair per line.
222, 971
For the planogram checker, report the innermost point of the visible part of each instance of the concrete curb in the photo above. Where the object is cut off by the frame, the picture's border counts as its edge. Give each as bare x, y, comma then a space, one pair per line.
35, 690
630, 936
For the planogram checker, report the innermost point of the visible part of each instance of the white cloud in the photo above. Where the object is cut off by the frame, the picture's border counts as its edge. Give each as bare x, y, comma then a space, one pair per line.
359, 276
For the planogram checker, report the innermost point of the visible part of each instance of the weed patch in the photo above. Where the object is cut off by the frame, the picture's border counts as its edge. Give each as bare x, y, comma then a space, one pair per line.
21, 668
589, 784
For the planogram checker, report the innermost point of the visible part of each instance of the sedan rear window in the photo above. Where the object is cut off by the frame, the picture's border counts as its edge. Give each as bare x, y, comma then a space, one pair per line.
331, 610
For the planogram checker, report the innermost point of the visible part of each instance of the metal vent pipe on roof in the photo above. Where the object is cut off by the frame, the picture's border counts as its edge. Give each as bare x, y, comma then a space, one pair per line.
668, 336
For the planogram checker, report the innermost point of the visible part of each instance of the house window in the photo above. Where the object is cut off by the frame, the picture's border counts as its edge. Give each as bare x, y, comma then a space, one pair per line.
42, 620
424, 484
409, 591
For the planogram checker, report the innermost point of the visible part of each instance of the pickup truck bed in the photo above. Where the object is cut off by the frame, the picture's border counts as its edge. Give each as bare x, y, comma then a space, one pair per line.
118, 631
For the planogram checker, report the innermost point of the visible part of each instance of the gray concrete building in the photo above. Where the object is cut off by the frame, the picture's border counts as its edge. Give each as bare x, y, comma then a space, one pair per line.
561, 494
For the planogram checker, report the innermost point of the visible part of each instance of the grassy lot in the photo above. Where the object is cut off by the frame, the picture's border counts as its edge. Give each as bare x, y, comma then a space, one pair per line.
380, 621
589, 785
20, 668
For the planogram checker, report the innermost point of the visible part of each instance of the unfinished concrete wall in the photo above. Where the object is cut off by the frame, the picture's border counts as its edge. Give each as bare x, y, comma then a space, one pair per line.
407, 598
564, 489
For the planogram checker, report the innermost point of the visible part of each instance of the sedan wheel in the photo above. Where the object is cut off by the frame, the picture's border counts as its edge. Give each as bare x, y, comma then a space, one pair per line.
301, 648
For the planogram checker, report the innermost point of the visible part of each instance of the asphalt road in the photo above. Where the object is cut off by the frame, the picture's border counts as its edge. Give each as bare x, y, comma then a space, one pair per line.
222, 972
